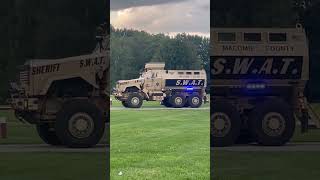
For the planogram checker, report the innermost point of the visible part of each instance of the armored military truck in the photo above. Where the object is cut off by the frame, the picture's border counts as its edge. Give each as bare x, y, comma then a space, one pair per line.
173, 88
67, 99
258, 78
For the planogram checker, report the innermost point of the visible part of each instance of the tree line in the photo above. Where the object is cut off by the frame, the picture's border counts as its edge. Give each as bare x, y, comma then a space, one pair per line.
131, 49
45, 29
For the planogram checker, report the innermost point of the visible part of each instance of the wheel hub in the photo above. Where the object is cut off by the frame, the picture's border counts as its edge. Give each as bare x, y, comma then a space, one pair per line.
178, 100
81, 125
221, 124
195, 100
273, 124
135, 101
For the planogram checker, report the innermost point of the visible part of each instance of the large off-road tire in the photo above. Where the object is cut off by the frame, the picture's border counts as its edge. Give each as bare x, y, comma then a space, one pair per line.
245, 137
79, 124
195, 101
124, 104
134, 100
225, 124
177, 101
48, 134
166, 102
272, 123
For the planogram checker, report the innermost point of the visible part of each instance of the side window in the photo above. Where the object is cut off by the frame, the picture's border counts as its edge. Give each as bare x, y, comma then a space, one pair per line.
196, 73
277, 37
189, 73
252, 37
226, 37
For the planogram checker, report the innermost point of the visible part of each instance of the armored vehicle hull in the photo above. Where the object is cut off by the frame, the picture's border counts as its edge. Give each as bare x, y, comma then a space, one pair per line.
173, 88
258, 78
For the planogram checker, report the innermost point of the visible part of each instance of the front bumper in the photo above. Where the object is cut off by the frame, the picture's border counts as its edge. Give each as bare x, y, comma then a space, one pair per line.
19, 101
119, 95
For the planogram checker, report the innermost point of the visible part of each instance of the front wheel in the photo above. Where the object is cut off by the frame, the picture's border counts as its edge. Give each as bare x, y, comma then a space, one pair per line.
134, 100
124, 104
48, 134
80, 124
225, 124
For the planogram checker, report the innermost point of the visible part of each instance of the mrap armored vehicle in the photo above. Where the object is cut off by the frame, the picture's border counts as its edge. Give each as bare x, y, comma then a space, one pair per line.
67, 99
173, 88
258, 80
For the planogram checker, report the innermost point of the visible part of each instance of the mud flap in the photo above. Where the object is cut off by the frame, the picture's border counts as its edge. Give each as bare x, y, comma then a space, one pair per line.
304, 119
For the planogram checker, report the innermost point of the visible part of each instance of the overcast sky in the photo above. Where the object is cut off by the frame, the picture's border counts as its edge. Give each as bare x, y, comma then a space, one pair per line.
162, 16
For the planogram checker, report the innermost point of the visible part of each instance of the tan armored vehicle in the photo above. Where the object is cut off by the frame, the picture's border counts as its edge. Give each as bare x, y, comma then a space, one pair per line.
174, 88
258, 78
67, 99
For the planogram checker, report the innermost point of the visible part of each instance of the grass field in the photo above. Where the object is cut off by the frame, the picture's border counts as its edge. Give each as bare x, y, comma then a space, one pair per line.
266, 166
159, 144
156, 144
53, 166
270, 165
46, 165
19, 133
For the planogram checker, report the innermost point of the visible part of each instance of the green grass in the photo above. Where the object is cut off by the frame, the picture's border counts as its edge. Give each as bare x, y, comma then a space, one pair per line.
53, 166
49, 165
160, 144
266, 165
270, 165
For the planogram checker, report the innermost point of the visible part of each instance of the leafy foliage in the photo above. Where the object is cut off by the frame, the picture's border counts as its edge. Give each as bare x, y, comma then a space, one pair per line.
131, 49
35, 29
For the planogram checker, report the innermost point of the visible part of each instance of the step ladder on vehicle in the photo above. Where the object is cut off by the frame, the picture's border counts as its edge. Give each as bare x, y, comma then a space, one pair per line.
314, 118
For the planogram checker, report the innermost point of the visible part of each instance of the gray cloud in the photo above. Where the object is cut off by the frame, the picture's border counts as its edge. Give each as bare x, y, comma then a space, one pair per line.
190, 16
123, 4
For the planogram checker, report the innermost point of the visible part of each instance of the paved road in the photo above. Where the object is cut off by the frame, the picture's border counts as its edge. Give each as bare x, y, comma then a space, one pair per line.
156, 108
4, 107
291, 147
47, 148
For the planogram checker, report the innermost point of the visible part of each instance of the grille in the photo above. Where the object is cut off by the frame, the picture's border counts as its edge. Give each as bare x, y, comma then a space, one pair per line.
24, 78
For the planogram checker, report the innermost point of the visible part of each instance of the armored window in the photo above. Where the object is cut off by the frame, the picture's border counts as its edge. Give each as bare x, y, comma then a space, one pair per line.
196, 73
253, 37
180, 73
226, 37
189, 73
277, 37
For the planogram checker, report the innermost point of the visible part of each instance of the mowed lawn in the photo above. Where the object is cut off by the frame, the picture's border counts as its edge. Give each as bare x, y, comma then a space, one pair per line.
53, 166
270, 165
46, 165
166, 144
24, 133
266, 165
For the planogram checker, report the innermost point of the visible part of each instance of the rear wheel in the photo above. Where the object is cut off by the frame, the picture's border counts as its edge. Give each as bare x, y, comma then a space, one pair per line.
195, 101
166, 102
80, 124
225, 124
177, 101
48, 134
134, 100
272, 123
